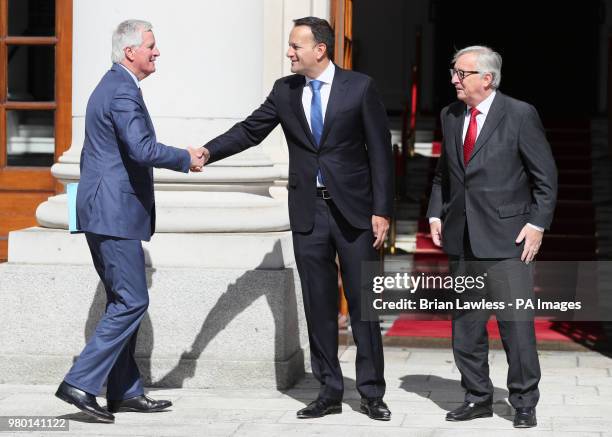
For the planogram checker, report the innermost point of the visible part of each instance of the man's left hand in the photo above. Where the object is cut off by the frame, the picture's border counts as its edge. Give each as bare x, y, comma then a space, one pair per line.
380, 227
533, 241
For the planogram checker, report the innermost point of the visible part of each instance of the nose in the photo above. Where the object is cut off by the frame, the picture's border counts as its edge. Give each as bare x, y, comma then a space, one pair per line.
156, 52
290, 52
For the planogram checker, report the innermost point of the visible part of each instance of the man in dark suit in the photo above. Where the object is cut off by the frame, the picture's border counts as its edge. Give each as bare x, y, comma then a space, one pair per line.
494, 190
116, 210
340, 200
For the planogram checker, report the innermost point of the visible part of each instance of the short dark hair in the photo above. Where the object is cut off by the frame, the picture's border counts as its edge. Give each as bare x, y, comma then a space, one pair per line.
321, 30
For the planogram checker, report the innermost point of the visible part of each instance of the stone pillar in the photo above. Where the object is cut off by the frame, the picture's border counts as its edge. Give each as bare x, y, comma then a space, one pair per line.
226, 304
278, 20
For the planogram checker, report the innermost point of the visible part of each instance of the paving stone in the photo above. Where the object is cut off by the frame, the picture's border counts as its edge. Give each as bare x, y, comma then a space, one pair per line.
581, 424
348, 417
596, 361
574, 402
600, 410
438, 432
489, 423
598, 381
310, 429
282, 404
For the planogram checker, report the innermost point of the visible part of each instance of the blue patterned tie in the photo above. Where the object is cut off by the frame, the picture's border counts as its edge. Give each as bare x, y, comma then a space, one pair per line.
316, 118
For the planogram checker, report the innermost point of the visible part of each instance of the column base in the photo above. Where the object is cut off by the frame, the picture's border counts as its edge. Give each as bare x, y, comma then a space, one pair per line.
225, 310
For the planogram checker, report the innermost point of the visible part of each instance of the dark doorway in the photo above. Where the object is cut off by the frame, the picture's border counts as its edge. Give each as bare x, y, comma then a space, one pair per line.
552, 53
550, 50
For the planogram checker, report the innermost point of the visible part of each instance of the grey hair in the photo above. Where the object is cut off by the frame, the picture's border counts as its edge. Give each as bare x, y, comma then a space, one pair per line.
487, 61
127, 34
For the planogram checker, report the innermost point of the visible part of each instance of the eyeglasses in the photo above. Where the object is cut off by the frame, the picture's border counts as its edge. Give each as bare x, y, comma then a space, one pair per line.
461, 74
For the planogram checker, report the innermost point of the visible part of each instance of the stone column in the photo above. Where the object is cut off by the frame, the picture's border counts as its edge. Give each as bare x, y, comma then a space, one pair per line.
226, 304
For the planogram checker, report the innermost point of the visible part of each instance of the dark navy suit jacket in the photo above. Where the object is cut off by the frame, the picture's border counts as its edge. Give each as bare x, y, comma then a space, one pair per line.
115, 195
354, 154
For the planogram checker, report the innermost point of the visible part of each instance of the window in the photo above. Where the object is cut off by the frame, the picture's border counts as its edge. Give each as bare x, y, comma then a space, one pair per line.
35, 105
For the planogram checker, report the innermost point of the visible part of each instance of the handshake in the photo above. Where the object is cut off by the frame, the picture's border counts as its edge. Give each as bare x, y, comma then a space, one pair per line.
199, 157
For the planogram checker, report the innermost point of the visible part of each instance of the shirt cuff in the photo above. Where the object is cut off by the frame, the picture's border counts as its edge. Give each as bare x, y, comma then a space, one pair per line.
434, 219
537, 228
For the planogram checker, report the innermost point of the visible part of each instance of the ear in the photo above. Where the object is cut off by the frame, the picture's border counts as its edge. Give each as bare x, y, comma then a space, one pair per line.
129, 53
321, 51
488, 79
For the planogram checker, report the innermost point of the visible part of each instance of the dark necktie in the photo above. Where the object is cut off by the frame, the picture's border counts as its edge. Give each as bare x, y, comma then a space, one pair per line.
470, 136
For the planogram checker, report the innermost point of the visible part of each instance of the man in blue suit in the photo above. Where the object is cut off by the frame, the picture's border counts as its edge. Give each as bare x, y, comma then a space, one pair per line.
116, 210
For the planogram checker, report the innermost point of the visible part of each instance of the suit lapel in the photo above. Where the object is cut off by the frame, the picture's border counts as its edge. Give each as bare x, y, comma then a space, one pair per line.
296, 91
127, 78
336, 96
494, 117
146, 111
458, 131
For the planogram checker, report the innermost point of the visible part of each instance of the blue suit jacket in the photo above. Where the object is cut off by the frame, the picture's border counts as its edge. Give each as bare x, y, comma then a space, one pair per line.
115, 195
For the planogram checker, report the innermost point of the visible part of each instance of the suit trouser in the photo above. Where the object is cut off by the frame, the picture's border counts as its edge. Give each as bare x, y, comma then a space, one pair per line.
506, 280
315, 254
109, 353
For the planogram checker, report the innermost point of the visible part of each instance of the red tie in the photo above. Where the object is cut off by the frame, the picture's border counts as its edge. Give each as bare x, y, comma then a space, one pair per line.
470, 136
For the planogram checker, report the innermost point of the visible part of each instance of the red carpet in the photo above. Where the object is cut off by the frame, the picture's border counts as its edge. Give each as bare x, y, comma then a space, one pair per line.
546, 330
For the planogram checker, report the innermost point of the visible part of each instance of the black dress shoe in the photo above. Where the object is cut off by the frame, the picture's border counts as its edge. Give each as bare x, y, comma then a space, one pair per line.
138, 404
319, 408
84, 401
469, 411
525, 418
375, 408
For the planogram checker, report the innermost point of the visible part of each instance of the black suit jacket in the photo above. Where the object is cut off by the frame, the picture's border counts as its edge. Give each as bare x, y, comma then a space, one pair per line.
510, 179
354, 155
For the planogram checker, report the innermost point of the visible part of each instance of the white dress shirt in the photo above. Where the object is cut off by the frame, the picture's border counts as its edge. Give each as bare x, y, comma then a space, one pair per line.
327, 78
483, 107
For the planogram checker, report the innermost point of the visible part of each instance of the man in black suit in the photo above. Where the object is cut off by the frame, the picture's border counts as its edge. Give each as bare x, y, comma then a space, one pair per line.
340, 200
494, 190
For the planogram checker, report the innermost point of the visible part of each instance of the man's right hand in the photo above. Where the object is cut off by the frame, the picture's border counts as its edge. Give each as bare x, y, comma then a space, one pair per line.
199, 157
435, 227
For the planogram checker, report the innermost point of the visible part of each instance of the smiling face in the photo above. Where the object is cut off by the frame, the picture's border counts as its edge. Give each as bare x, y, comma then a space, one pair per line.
141, 59
473, 88
307, 57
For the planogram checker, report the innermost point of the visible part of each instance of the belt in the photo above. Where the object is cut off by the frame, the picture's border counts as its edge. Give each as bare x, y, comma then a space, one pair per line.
323, 192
